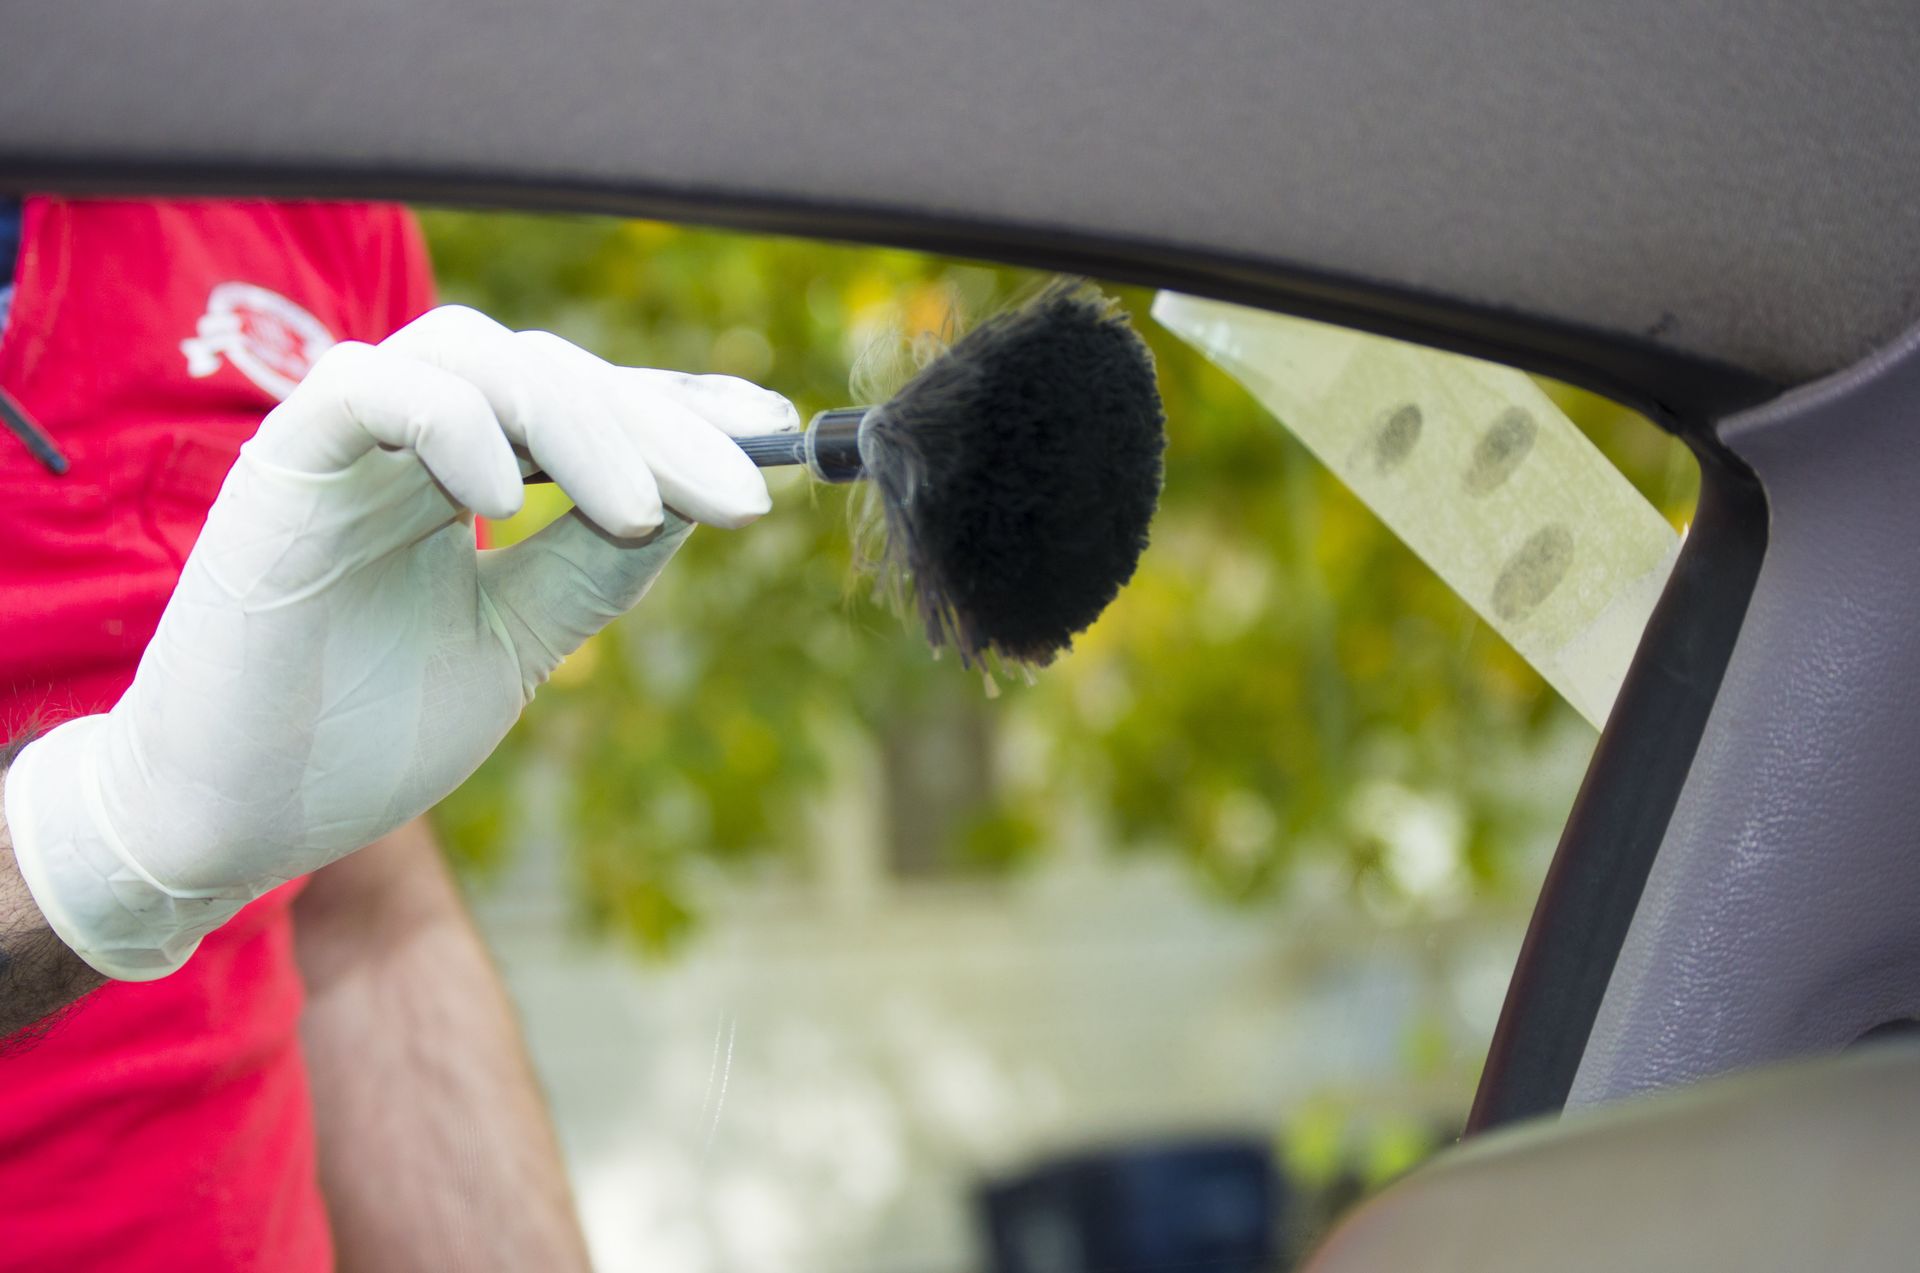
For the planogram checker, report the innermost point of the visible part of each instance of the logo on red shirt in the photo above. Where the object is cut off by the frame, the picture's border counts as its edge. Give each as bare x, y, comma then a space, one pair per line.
263, 335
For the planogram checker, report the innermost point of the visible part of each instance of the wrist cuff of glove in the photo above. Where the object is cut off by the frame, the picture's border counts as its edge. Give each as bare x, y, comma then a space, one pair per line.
97, 900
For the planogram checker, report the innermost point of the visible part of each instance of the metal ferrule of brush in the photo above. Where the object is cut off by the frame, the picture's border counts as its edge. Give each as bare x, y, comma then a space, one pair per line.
830, 446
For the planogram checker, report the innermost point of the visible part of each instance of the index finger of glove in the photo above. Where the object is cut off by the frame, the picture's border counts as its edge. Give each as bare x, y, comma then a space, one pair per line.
738, 408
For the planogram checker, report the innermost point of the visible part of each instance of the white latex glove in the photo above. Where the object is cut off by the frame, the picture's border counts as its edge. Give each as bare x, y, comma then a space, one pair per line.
337, 655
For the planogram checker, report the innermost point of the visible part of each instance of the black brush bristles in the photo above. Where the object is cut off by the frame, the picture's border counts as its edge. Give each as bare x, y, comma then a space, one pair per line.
1017, 474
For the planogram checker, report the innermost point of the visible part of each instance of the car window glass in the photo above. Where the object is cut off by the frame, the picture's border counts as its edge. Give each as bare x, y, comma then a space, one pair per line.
833, 957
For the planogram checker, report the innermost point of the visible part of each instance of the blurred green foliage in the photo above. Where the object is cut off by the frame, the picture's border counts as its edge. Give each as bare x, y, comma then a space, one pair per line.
1278, 653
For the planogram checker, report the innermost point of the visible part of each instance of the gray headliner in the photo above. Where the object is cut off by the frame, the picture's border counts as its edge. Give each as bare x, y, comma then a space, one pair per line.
1734, 187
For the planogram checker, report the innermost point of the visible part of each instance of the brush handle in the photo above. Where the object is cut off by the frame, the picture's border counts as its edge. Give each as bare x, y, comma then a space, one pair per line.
775, 450
829, 447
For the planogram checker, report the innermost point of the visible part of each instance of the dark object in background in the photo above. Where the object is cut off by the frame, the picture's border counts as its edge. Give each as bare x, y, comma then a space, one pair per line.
1202, 1206
1016, 473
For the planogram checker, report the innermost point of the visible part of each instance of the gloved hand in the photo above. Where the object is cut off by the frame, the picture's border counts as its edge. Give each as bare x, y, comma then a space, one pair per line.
337, 655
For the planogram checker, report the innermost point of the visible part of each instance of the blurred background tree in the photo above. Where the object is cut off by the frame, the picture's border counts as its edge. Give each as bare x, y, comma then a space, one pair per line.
1281, 681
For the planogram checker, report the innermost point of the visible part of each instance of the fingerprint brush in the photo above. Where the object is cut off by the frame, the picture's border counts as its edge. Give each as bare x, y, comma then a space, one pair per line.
1016, 473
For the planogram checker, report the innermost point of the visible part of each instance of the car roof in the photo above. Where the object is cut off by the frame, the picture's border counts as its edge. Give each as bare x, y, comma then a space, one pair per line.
1687, 206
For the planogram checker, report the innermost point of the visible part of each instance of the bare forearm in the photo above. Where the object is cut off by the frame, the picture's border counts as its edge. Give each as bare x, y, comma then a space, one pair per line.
39, 975
435, 1146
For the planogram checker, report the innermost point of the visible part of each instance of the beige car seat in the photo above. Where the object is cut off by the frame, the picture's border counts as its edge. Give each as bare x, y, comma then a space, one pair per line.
1796, 1168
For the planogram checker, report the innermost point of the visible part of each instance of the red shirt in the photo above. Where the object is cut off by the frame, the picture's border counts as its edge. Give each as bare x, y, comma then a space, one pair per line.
163, 1125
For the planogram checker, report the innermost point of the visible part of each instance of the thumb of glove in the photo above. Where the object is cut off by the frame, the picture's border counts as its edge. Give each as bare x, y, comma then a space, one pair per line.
557, 588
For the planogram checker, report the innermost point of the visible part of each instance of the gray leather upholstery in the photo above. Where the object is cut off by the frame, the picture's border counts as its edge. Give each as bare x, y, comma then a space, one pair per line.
1801, 1168
1734, 182
1782, 915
